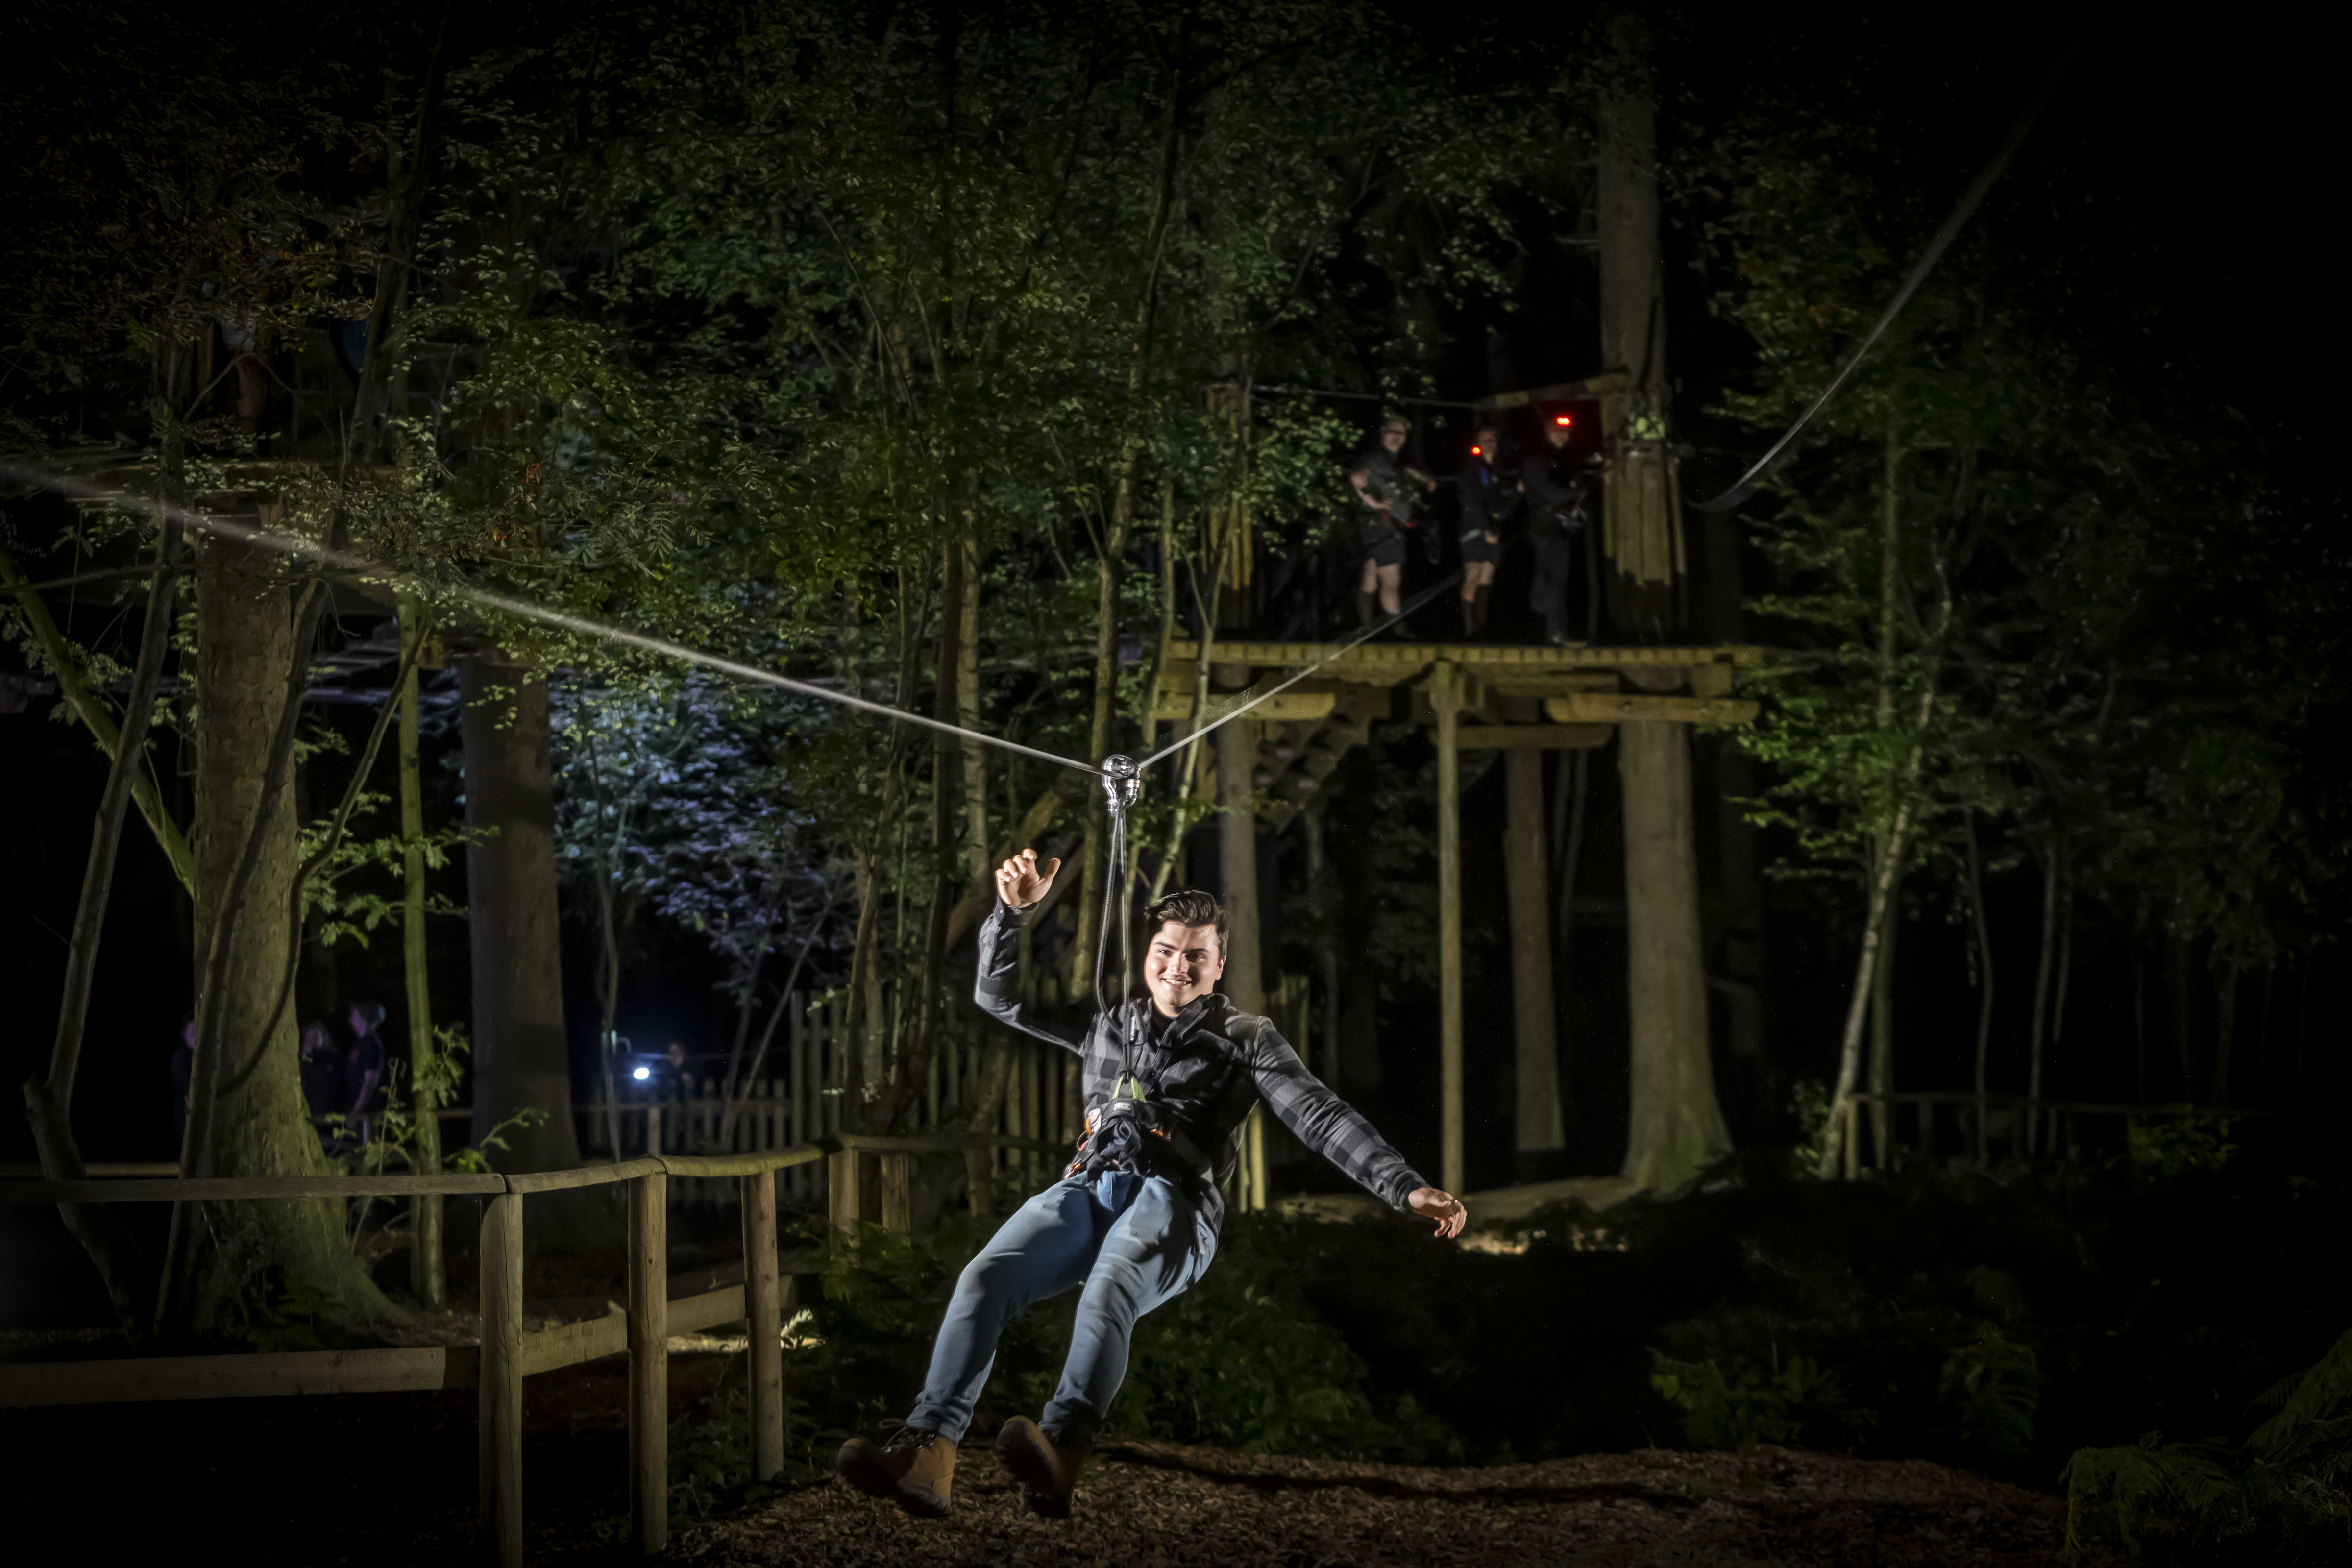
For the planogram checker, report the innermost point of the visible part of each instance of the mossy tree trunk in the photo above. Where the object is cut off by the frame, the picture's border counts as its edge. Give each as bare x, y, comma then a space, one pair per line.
257, 1123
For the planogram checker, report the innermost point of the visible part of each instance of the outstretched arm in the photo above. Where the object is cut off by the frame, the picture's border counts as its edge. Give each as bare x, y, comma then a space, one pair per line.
1020, 884
1338, 1131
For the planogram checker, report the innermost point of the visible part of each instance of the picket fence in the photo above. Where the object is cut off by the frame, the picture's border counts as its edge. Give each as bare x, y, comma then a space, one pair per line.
802, 1102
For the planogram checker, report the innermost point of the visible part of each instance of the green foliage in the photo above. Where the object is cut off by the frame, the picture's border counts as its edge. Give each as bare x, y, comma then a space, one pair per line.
2285, 1483
1778, 1400
1994, 1382
2171, 1149
282, 1313
1809, 1103
1242, 1360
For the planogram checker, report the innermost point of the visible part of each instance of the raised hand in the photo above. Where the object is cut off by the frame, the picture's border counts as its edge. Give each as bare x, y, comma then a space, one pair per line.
1021, 883
1444, 1207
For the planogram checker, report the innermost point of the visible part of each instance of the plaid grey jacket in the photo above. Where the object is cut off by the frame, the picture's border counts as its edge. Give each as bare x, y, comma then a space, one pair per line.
1205, 1071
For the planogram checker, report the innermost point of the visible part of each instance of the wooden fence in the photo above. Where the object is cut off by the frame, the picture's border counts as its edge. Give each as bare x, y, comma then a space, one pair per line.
803, 1103
507, 1355
2018, 1123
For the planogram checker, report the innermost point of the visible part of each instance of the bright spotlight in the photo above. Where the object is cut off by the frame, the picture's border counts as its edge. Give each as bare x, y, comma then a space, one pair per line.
642, 1074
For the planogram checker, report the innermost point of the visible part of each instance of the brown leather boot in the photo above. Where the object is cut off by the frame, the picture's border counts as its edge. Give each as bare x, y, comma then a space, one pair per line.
914, 1470
1047, 1471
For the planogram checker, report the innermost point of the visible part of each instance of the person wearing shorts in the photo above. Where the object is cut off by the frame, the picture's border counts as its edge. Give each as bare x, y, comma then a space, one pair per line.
1383, 484
1486, 497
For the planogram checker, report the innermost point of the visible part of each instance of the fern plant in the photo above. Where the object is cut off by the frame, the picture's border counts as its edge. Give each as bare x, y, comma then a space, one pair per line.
2285, 1482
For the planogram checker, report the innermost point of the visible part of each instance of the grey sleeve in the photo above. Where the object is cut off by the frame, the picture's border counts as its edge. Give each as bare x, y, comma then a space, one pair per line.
1325, 1123
997, 987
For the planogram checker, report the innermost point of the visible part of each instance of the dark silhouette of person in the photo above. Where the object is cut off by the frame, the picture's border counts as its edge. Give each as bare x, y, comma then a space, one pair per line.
322, 1081
363, 1069
183, 1067
1555, 517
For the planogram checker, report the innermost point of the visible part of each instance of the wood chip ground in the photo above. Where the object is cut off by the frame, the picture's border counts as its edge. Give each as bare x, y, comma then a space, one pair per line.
1160, 1506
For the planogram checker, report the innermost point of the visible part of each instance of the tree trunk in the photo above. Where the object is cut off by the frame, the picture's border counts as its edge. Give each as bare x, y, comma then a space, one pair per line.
1890, 581
2042, 1001
1538, 1121
427, 1272
1678, 1128
1985, 965
968, 714
1641, 525
1882, 1029
49, 1100
521, 1058
1122, 516
2225, 1032
248, 1117
2181, 993
1882, 887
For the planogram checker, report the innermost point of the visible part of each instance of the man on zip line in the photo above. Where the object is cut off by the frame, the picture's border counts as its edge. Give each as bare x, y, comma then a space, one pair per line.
1133, 1222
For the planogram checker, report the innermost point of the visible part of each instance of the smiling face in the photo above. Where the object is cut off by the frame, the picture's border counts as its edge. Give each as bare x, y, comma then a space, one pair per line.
1392, 437
1180, 964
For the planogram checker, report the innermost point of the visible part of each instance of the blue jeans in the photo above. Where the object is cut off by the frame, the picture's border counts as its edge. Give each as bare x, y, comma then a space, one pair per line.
1132, 1242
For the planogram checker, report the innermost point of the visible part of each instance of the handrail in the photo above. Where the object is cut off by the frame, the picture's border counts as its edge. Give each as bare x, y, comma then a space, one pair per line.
161, 1189
2079, 1108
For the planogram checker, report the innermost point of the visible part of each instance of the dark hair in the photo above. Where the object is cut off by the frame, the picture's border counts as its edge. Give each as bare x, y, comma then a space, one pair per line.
372, 1011
1189, 907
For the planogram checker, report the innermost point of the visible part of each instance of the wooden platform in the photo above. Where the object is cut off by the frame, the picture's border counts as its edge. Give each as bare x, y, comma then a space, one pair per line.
1503, 699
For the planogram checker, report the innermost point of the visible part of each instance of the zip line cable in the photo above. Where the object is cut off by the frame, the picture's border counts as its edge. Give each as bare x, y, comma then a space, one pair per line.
528, 610
1744, 486
1299, 672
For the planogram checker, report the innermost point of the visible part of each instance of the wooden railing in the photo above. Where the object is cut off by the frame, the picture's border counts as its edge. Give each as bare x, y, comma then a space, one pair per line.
1981, 1122
507, 1354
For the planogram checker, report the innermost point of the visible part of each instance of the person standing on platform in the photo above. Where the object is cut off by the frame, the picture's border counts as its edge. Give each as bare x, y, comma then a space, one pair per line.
1385, 485
1488, 498
1555, 517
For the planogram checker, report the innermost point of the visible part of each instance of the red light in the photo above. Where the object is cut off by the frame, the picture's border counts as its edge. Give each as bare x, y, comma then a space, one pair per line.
1561, 419
1477, 451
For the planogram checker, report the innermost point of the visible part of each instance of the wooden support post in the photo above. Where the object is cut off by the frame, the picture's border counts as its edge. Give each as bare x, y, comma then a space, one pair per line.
1257, 1184
841, 1196
500, 1389
895, 1193
763, 1322
649, 1361
1237, 843
1446, 697
1539, 1131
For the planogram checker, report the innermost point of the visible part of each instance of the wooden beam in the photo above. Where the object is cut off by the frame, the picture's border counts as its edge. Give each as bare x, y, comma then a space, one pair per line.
1446, 697
1524, 861
406, 1371
498, 1447
894, 1193
841, 1197
1386, 663
1282, 707
218, 1189
1236, 744
649, 1361
1534, 737
1641, 708
239, 1376
764, 1322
